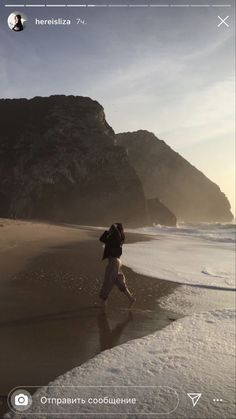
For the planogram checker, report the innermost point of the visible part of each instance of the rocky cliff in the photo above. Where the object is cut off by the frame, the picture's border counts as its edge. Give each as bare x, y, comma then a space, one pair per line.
58, 161
187, 192
165, 216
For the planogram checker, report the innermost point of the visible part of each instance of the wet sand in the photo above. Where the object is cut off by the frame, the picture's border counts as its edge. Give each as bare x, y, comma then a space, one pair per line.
49, 318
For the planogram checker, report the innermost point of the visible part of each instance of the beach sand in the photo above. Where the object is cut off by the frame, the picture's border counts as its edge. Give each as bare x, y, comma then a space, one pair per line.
50, 276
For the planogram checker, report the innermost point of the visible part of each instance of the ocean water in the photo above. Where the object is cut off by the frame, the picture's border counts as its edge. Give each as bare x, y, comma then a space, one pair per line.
196, 349
221, 232
199, 255
192, 354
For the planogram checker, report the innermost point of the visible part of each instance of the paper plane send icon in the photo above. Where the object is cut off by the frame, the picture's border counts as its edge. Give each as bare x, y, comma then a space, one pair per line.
194, 397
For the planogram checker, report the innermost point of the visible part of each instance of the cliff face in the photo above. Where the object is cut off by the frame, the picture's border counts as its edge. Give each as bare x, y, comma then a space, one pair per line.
180, 186
58, 161
165, 216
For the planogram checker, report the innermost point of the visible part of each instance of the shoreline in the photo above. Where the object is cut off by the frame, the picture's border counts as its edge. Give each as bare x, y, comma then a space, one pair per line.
171, 359
49, 319
62, 276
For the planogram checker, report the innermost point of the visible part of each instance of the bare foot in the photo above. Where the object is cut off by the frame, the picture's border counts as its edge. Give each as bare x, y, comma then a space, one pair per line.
131, 302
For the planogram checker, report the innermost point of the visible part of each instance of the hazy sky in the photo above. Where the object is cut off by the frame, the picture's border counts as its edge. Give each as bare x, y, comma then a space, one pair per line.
168, 70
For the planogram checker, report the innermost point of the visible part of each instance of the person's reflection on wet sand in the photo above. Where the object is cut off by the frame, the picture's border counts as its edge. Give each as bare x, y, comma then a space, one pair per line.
110, 337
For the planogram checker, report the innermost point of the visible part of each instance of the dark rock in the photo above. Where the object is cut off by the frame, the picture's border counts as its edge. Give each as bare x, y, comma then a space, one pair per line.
187, 192
58, 162
158, 213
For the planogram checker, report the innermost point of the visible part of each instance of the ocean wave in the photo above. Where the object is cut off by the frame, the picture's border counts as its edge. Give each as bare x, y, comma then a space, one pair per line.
223, 233
192, 350
183, 260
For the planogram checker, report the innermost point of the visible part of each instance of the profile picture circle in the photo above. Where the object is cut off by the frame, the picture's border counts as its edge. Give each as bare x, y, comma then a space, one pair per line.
17, 21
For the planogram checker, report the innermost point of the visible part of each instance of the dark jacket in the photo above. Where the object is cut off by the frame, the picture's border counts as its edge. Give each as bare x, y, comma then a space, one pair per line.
113, 244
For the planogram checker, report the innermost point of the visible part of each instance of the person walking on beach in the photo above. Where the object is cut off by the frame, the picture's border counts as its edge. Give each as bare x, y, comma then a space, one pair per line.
114, 239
